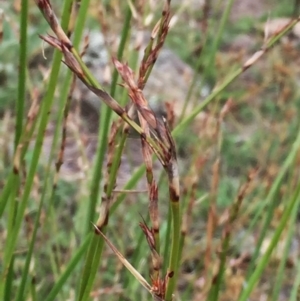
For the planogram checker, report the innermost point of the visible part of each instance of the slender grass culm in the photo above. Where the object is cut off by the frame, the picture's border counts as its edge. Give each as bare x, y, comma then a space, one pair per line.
209, 232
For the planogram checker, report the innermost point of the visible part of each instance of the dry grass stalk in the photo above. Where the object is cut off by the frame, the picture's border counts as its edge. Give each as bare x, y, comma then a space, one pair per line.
205, 18
170, 114
24, 141
60, 157
228, 227
212, 217
234, 210
101, 14
107, 198
73, 17
153, 213
111, 149
59, 162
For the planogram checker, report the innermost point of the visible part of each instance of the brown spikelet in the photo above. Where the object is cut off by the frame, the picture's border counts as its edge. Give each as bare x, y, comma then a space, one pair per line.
155, 44
47, 11
156, 260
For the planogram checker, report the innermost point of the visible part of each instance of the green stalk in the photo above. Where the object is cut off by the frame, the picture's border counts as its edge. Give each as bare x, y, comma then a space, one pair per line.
13, 207
215, 289
282, 265
69, 269
22, 71
183, 209
9, 281
21, 293
33, 289
175, 247
216, 43
295, 290
105, 121
97, 243
96, 250
266, 257
7, 190
93, 246
167, 235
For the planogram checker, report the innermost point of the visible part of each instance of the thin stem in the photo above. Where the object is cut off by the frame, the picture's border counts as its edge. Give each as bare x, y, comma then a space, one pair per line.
69, 269
175, 247
274, 241
22, 71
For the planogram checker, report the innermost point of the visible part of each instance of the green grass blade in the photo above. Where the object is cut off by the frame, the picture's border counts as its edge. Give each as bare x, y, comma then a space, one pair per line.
22, 71
9, 281
282, 265
294, 201
175, 248
271, 199
91, 266
296, 285
69, 269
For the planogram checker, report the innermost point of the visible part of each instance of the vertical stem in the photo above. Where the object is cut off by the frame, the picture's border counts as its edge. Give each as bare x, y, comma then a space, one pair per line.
174, 192
274, 241
175, 247
68, 270
22, 71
